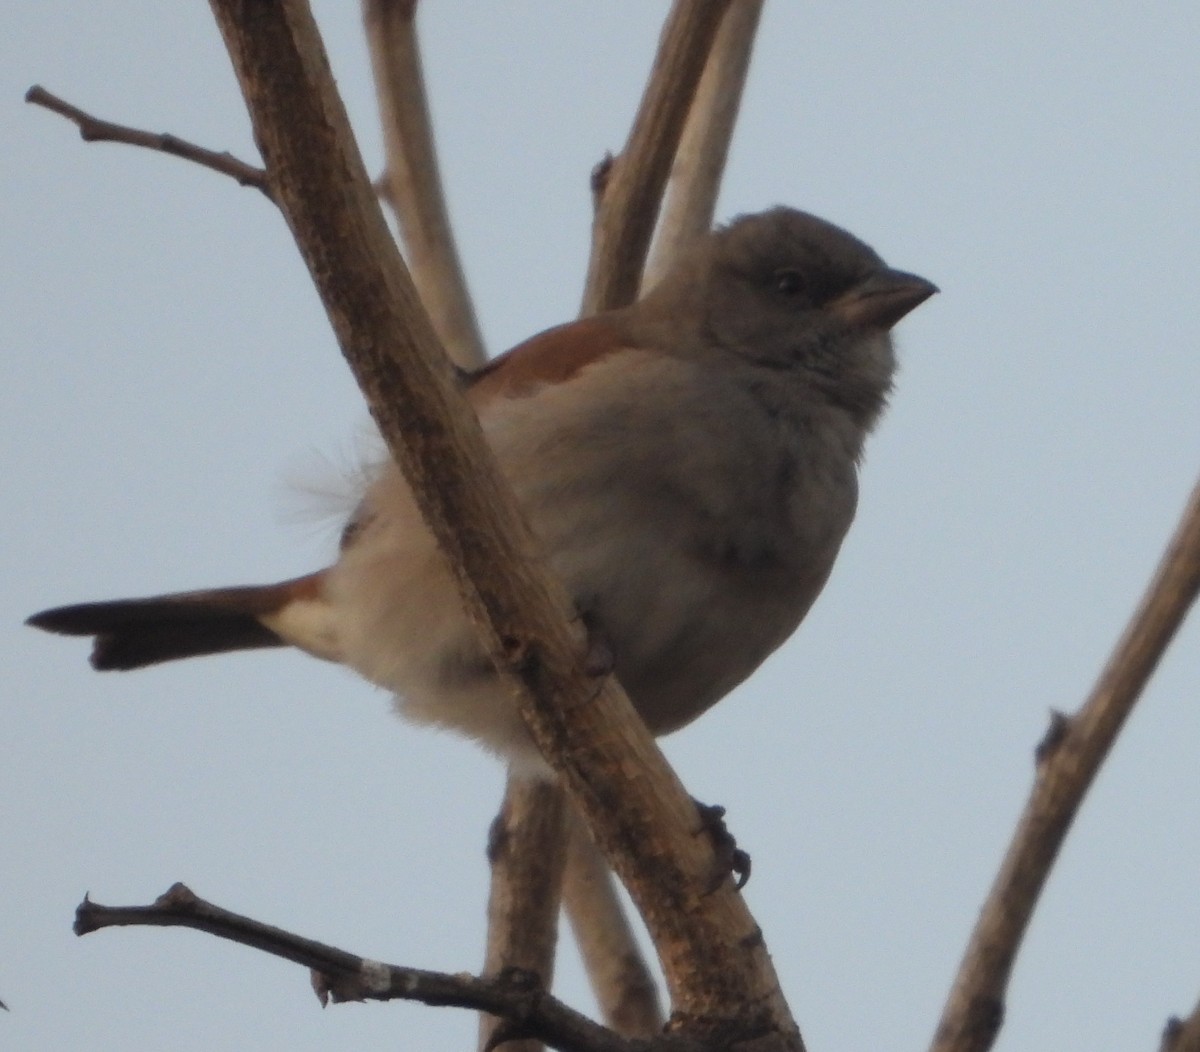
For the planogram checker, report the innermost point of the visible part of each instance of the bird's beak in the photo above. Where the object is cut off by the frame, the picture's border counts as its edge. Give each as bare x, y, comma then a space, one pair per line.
882, 299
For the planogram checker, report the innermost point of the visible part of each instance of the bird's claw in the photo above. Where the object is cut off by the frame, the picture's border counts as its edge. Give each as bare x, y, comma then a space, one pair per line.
731, 860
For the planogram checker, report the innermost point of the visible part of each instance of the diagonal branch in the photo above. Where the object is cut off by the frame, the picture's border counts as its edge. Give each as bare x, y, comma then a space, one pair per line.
412, 184
717, 966
93, 129
633, 186
516, 996
1069, 760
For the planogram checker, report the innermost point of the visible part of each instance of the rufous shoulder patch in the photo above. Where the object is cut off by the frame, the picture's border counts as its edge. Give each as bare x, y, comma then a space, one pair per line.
550, 357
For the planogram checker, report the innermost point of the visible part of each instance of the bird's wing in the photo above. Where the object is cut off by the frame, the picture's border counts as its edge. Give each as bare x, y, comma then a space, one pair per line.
551, 357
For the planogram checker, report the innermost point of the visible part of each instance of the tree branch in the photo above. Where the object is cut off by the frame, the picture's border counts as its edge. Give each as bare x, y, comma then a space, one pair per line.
716, 964
624, 987
516, 996
633, 187
412, 183
526, 852
1069, 760
700, 162
93, 129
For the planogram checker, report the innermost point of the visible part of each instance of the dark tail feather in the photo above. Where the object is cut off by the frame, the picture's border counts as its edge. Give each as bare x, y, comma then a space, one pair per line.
132, 633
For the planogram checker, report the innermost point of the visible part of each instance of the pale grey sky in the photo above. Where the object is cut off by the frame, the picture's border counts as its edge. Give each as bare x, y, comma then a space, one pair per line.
168, 370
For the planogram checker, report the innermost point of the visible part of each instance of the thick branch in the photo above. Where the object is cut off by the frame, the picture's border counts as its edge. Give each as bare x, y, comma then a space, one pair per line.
526, 852
700, 162
92, 129
716, 964
1068, 763
624, 987
516, 996
412, 183
633, 187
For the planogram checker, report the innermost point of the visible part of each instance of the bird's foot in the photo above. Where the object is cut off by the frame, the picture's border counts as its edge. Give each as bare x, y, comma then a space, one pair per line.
731, 860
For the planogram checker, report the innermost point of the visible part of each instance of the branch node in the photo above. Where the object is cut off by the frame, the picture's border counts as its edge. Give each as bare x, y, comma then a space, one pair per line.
1056, 734
177, 897
599, 177
1170, 1034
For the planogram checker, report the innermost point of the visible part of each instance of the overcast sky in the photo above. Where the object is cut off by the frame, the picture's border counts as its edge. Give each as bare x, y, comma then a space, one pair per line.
171, 387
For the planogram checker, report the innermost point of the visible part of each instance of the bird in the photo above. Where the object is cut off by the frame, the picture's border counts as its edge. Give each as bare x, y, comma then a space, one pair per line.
688, 464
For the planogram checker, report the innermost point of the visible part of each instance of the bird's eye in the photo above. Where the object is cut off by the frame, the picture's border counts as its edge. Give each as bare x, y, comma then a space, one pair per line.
787, 282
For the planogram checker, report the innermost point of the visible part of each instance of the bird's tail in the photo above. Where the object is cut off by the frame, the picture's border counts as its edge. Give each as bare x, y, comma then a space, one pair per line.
133, 633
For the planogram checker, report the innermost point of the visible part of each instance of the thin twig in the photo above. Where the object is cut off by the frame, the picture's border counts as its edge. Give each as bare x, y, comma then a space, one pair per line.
93, 129
621, 980
516, 996
633, 189
700, 161
526, 853
1067, 767
412, 184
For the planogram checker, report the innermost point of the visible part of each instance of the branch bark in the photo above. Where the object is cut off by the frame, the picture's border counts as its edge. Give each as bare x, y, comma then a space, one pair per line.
633, 185
1069, 760
716, 964
412, 183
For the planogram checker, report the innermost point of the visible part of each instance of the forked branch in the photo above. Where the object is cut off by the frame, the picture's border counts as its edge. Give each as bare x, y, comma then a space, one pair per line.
515, 996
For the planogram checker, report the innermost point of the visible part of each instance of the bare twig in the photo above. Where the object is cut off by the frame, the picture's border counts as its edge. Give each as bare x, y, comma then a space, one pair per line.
717, 967
633, 189
1067, 768
412, 183
623, 984
93, 129
700, 162
526, 853
1182, 1035
516, 996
